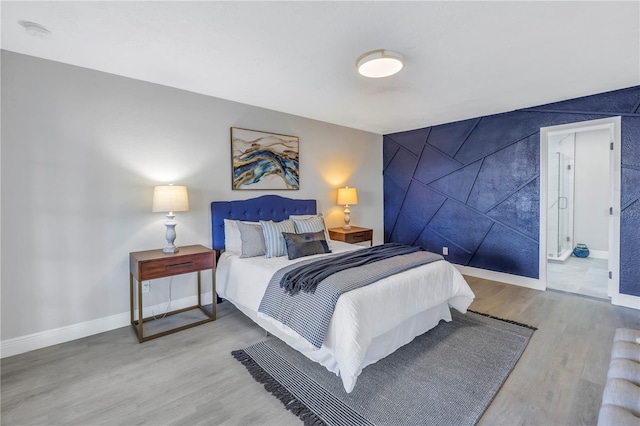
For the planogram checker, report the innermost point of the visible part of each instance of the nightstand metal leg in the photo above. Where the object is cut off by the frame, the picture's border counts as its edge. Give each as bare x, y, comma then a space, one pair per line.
131, 295
140, 321
214, 297
199, 291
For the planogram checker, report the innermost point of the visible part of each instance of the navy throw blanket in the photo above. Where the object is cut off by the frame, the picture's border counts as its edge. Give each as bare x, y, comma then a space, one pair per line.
306, 278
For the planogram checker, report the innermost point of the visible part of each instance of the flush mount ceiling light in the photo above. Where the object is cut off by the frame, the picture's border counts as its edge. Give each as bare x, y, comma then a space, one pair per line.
379, 63
34, 29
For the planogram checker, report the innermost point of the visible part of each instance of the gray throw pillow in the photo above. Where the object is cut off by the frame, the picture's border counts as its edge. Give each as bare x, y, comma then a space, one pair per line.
300, 245
252, 240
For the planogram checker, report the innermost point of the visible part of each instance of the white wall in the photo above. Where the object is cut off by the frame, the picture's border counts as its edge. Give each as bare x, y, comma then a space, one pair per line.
592, 193
81, 152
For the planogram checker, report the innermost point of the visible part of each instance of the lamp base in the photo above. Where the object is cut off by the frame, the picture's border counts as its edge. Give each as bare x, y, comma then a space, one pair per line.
170, 235
347, 218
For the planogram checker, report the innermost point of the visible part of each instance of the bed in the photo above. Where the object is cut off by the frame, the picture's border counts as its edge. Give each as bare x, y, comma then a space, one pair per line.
368, 323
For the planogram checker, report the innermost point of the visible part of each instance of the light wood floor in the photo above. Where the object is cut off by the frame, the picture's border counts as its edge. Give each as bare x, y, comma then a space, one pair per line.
190, 377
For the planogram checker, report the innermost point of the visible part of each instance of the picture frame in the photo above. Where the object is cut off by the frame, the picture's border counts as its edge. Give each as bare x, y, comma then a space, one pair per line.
264, 160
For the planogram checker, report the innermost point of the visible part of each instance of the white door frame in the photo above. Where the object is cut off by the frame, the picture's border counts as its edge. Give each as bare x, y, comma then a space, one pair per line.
613, 124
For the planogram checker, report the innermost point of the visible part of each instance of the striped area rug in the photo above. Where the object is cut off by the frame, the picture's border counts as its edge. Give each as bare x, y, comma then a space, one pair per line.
447, 376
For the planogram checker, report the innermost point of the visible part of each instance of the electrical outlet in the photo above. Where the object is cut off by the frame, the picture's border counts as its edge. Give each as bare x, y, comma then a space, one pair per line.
146, 287
445, 250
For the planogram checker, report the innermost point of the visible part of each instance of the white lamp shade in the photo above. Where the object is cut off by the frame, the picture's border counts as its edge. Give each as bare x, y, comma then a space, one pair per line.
379, 63
170, 198
347, 196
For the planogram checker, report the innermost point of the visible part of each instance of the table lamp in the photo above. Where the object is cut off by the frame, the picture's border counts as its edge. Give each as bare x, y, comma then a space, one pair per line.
347, 197
170, 199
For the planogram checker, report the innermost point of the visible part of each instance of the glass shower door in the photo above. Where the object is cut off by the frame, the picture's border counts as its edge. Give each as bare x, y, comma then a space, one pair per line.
560, 202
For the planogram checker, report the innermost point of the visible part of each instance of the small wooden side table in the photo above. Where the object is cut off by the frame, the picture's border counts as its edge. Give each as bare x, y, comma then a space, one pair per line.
352, 236
152, 264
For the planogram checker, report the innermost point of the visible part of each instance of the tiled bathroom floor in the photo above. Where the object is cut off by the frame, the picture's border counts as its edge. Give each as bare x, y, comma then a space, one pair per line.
588, 276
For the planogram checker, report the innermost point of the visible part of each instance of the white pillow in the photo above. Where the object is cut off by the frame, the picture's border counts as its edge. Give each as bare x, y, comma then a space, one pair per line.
274, 241
306, 223
232, 240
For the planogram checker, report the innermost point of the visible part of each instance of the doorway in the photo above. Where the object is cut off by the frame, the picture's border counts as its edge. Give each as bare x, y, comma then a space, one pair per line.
580, 204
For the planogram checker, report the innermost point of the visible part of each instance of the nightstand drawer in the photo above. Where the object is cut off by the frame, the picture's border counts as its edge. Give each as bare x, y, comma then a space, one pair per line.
159, 268
353, 235
358, 237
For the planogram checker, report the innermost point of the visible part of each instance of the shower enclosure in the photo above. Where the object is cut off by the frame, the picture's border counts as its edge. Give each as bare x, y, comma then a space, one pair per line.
560, 197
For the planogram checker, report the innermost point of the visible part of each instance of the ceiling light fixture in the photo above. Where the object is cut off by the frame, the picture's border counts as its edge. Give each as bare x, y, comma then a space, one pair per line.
379, 63
34, 29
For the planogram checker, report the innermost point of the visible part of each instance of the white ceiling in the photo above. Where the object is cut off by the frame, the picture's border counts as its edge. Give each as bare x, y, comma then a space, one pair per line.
463, 59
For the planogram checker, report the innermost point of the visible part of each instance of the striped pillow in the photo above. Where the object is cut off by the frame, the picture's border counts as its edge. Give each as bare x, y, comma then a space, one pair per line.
305, 224
274, 241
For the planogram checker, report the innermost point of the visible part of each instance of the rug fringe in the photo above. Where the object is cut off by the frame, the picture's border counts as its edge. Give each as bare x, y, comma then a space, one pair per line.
530, 327
274, 387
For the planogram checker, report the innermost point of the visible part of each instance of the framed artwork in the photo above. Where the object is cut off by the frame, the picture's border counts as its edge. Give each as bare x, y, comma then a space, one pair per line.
262, 160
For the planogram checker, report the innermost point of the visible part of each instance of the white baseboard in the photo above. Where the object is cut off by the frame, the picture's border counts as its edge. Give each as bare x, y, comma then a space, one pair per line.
599, 254
626, 300
56, 336
532, 283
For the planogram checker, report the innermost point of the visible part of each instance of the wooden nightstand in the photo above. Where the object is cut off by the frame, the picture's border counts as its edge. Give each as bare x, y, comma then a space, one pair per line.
352, 236
152, 264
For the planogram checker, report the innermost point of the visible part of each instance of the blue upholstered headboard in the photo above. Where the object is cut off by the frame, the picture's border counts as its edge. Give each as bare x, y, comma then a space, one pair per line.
267, 207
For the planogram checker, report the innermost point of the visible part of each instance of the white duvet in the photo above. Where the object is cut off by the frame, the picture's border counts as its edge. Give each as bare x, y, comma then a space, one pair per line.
368, 324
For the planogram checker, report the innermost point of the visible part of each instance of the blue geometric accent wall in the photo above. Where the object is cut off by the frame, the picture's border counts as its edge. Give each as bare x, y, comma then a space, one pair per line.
474, 185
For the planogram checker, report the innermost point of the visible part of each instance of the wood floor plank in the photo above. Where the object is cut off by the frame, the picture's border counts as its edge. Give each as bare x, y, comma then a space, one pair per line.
586, 405
190, 378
